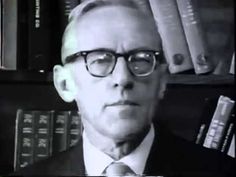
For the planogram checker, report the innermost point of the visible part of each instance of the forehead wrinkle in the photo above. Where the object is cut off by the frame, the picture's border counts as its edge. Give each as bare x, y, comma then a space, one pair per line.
105, 10
89, 5
106, 13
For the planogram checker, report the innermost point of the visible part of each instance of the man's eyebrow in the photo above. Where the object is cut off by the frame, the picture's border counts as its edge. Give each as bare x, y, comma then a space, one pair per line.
126, 51
143, 48
94, 5
103, 49
72, 58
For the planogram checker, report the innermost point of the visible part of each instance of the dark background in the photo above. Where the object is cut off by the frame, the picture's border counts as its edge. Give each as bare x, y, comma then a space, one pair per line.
181, 109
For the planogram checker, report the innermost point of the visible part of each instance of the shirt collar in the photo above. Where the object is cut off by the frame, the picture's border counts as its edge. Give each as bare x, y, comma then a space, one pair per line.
96, 161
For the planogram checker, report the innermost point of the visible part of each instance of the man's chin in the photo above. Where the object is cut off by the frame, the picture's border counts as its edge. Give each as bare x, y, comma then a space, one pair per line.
125, 130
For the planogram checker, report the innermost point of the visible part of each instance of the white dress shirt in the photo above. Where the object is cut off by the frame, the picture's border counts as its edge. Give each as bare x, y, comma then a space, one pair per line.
96, 161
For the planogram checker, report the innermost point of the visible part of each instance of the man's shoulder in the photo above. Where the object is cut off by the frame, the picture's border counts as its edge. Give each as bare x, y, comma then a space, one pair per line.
66, 163
178, 154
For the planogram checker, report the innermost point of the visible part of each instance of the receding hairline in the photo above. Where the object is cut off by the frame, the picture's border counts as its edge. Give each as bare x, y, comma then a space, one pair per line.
92, 5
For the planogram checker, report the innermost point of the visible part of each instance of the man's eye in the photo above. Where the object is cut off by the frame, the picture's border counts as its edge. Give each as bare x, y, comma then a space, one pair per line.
143, 57
141, 60
104, 59
101, 61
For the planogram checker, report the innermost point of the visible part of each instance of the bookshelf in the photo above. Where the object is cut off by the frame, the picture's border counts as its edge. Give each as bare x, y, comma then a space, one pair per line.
180, 79
181, 108
26, 77
202, 79
27, 91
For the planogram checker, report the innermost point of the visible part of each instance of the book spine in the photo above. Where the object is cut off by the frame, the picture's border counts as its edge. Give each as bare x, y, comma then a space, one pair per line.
219, 121
172, 34
209, 106
9, 34
75, 128
22, 35
65, 7
60, 131
39, 35
43, 134
232, 65
200, 133
228, 135
195, 36
231, 151
24, 139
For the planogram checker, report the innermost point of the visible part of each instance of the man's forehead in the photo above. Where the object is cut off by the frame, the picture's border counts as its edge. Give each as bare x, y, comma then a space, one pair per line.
98, 21
108, 12
89, 5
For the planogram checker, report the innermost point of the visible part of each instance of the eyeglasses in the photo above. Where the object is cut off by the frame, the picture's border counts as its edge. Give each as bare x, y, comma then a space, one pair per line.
101, 63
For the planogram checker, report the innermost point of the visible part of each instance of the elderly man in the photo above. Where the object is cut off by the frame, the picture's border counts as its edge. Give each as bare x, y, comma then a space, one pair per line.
114, 69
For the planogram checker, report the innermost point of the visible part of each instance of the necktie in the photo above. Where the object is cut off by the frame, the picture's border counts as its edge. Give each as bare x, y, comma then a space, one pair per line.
118, 169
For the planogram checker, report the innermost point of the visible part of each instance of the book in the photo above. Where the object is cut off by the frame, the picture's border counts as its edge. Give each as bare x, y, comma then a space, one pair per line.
231, 151
223, 125
22, 35
9, 34
43, 135
60, 131
218, 28
200, 133
232, 65
24, 139
172, 34
205, 119
40, 31
228, 137
218, 123
74, 128
195, 36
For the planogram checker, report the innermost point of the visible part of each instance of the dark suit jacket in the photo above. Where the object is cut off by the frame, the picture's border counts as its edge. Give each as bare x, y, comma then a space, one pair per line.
169, 156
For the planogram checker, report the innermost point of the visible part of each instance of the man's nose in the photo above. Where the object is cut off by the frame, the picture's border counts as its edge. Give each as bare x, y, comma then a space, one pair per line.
121, 76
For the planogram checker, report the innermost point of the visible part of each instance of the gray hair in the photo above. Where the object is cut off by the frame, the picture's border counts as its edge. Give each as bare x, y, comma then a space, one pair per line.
88, 5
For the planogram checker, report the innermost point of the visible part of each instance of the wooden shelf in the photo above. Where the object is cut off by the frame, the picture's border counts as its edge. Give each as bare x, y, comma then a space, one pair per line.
201, 79
184, 79
26, 77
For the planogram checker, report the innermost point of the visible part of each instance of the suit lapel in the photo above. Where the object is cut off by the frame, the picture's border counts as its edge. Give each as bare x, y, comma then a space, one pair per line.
153, 164
161, 154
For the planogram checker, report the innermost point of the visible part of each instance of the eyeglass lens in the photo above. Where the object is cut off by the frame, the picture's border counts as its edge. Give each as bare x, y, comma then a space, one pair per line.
101, 63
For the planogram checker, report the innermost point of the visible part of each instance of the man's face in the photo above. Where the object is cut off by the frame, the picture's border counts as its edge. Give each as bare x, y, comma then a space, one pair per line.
105, 102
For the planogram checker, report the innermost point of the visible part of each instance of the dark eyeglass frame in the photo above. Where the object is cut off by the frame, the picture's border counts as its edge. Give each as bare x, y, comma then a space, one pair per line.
159, 59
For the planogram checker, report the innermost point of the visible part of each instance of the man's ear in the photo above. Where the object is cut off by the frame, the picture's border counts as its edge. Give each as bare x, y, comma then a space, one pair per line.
64, 83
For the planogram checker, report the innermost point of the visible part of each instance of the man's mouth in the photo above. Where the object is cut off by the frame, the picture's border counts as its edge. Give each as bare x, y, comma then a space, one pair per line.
124, 103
